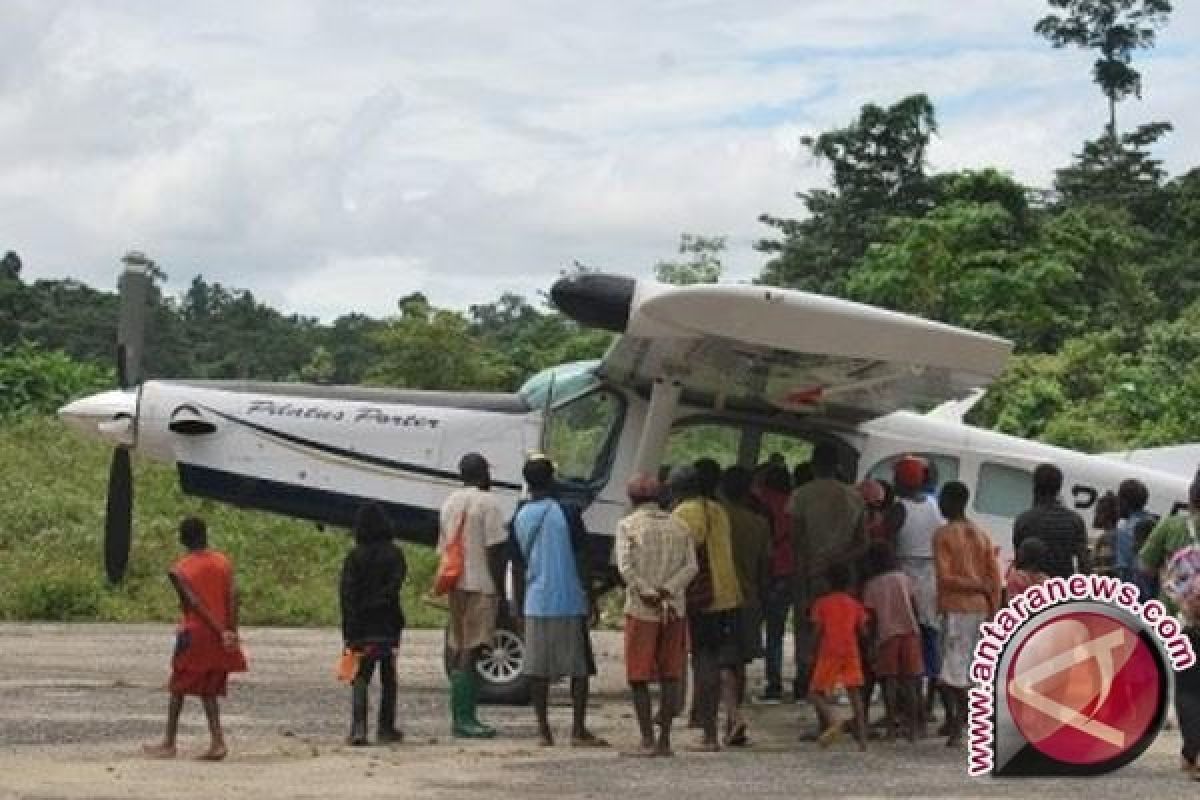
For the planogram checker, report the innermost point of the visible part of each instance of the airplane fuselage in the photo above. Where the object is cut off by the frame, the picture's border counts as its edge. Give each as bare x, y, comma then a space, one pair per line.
318, 452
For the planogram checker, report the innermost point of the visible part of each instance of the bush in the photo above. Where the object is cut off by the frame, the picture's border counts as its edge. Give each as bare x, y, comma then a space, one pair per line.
59, 598
53, 523
34, 381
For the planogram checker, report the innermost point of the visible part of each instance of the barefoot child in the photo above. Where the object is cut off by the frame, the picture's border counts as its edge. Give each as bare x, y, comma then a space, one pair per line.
888, 596
838, 621
206, 644
656, 560
968, 592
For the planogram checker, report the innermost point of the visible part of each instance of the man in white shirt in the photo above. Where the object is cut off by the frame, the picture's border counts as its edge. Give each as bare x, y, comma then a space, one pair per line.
473, 513
657, 560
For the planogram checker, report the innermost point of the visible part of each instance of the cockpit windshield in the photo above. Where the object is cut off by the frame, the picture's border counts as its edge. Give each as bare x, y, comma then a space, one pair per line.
583, 419
565, 380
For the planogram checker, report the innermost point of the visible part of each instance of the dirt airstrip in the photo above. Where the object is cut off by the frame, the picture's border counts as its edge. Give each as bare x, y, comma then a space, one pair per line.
77, 702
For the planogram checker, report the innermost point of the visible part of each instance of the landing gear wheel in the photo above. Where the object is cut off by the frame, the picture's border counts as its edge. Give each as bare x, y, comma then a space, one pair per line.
500, 670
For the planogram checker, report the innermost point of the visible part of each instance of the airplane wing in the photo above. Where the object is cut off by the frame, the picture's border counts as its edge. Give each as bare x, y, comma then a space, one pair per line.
759, 348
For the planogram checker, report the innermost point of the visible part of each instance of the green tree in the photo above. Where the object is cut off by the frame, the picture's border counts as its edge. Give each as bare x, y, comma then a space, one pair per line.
531, 339
428, 348
233, 335
984, 260
879, 172
10, 267
1114, 28
352, 342
699, 262
1105, 390
1119, 171
13, 298
1173, 273
320, 367
964, 263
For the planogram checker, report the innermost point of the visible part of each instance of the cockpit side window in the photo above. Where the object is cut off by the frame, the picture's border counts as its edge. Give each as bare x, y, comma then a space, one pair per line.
581, 436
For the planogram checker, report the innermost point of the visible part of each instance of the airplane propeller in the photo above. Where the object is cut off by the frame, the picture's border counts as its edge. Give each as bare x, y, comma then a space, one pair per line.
133, 289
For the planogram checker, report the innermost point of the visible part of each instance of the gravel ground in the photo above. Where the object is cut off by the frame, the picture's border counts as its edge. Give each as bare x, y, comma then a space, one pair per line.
77, 702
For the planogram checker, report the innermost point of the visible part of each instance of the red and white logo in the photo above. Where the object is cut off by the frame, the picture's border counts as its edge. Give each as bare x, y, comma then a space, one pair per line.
1084, 688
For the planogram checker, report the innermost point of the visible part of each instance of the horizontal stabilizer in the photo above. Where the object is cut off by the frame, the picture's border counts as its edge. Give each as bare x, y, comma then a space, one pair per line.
1182, 460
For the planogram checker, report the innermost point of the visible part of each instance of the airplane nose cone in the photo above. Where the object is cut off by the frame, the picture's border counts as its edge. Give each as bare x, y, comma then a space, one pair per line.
108, 416
595, 300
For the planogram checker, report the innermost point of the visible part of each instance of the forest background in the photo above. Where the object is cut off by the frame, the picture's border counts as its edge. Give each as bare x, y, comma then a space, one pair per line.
1096, 279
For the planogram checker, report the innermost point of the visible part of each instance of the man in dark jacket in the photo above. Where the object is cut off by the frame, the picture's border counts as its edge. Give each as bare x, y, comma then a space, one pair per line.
1062, 530
372, 619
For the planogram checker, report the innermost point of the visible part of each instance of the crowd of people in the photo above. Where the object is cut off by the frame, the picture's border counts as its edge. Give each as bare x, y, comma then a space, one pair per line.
887, 584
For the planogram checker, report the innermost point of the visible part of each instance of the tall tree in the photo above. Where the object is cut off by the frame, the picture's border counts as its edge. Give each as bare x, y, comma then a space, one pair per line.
878, 165
1120, 171
1115, 28
699, 262
10, 266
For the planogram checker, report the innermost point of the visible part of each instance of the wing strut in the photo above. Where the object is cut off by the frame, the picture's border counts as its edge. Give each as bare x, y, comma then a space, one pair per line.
660, 413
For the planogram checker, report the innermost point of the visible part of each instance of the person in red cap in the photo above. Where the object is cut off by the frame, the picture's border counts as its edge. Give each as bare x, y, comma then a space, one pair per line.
657, 560
914, 518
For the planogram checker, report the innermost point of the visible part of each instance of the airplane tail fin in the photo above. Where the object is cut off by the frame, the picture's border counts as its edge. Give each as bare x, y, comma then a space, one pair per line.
1182, 460
955, 410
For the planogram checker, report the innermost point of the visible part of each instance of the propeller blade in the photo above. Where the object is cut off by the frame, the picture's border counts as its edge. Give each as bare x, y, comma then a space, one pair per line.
118, 517
133, 288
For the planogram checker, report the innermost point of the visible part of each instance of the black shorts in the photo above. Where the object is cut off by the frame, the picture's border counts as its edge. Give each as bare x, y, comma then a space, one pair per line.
718, 634
751, 634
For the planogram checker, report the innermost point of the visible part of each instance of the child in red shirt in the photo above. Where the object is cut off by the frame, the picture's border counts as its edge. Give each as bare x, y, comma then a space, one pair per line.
838, 622
888, 596
1026, 570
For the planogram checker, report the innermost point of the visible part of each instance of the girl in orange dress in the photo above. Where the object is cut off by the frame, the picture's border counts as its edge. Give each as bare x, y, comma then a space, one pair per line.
839, 620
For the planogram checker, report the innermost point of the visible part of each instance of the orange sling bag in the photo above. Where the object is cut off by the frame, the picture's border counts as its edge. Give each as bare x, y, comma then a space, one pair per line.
453, 561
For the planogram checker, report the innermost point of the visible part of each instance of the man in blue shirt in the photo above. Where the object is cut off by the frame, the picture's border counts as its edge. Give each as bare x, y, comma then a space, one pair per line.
1132, 497
556, 605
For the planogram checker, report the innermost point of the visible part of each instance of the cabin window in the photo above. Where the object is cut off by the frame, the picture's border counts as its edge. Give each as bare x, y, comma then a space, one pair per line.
581, 436
690, 442
792, 449
1003, 491
943, 468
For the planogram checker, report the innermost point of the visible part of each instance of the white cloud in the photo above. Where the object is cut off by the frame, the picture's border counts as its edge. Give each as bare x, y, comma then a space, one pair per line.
334, 156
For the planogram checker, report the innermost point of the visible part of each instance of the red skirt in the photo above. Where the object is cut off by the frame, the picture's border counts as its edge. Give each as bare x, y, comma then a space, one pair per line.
833, 672
201, 664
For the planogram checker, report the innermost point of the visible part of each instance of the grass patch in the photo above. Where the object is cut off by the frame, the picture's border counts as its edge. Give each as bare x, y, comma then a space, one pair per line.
50, 542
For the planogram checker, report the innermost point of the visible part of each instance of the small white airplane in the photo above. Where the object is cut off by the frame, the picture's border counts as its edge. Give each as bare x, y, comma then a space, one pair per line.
753, 370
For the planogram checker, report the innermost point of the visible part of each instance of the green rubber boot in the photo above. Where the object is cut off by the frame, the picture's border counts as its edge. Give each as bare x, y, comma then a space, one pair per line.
472, 713
462, 708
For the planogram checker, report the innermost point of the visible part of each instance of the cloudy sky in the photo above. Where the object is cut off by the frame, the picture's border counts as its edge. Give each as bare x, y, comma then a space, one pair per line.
333, 155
